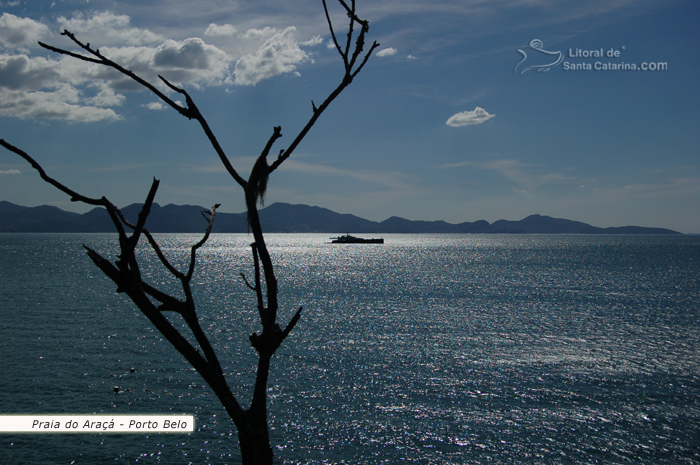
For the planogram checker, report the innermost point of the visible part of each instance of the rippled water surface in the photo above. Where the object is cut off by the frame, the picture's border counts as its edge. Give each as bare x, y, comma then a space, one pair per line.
434, 349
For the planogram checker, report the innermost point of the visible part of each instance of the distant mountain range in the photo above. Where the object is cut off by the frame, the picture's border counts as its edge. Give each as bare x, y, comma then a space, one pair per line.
285, 218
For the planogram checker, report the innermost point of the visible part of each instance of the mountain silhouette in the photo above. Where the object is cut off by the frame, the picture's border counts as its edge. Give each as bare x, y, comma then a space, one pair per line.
284, 218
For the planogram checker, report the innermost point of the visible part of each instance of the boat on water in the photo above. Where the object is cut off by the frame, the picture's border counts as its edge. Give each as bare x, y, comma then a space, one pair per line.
348, 239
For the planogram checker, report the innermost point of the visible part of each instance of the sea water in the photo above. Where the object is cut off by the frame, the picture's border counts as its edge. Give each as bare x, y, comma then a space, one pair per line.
433, 349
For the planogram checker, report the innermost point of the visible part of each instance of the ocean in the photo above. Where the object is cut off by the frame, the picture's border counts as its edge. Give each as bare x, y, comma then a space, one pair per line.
430, 349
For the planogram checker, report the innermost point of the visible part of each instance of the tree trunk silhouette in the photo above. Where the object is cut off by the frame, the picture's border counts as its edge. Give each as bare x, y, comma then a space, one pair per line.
250, 422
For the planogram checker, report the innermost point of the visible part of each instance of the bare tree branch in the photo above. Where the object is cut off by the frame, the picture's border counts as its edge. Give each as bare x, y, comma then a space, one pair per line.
210, 224
102, 60
330, 27
196, 114
191, 112
350, 74
351, 26
128, 279
74, 196
292, 323
245, 280
156, 248
143, 214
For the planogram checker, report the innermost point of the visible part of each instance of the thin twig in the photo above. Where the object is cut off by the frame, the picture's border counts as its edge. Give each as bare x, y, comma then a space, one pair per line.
193, 253
161, 256
330, 27
245, 280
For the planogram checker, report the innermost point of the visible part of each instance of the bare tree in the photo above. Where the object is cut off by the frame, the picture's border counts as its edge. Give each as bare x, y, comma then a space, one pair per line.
251, 422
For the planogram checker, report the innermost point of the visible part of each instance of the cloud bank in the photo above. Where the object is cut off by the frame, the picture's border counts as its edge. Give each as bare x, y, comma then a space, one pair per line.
18, 32
106, 28
37, 84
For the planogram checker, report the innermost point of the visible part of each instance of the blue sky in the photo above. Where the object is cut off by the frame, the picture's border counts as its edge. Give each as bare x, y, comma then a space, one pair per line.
443, 123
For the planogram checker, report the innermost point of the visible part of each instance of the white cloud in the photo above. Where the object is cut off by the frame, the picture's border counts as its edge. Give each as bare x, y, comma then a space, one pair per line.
279, 54
36, 87
225, 30
106, 97
63, 103
411, 57
155, 106
19, 72
188, 54
260, 33
10, 171
466, 118
190, 62
315, 40
62, 87
18, 32
106, 28
387, 52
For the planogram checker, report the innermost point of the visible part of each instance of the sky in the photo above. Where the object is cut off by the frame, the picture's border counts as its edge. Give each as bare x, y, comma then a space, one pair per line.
468, 109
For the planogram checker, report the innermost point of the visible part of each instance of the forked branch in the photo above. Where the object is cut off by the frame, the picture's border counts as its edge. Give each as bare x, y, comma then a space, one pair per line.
125, 273
351, 70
